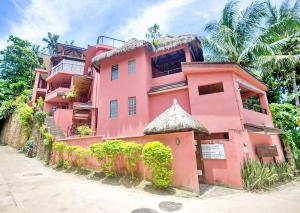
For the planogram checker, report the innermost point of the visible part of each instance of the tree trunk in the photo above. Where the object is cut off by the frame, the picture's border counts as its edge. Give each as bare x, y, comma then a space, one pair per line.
295, 89
289, 154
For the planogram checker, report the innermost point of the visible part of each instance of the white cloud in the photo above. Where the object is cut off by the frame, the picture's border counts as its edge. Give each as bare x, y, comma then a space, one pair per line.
37, 17
162, 13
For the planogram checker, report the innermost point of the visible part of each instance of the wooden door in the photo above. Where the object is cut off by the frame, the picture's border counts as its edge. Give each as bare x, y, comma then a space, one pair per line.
199, 159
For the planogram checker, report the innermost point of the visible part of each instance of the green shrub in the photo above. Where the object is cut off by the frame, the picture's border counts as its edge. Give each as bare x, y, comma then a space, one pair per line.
84, 130
70, 150
48, 138
40, 103
59, 147
62, 164
259, 176
28, 145
111, 150
82, 156
284, 171
132, 152
159, 158
40, 118
97, 152
25, 113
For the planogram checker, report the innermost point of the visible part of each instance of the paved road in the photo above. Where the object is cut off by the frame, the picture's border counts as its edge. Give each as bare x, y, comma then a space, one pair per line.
28, 186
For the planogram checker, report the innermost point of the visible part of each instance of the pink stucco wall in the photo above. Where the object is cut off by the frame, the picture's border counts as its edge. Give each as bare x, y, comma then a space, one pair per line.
184, 162
162, 101
63, 118
126, 86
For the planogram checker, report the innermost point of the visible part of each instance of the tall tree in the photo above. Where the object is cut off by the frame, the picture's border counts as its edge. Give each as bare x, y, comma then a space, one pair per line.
231, 38
51, 40
153, 34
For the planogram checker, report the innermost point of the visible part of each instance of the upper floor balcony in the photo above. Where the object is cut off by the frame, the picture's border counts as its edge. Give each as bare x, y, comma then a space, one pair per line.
66, 66
109, 41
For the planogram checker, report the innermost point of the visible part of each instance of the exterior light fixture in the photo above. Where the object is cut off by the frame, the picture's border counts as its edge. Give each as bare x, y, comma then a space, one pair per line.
177, 141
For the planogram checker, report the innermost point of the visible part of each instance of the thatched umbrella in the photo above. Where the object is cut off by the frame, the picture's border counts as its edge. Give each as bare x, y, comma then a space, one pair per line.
174, 119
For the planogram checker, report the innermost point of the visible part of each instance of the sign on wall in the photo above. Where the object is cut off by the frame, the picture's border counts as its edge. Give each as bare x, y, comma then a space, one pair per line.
213, 151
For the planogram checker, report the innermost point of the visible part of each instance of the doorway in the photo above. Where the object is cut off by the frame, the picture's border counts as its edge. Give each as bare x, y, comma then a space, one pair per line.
199, 159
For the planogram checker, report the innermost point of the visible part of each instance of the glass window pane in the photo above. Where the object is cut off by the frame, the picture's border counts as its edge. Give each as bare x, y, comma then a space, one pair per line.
131, 67
132, 106
113, 108
114, 72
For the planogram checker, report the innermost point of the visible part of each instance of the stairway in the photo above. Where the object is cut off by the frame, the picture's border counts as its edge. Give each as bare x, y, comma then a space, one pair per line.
53, 128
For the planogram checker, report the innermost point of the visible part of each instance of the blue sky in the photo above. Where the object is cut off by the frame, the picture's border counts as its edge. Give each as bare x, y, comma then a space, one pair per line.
84, 20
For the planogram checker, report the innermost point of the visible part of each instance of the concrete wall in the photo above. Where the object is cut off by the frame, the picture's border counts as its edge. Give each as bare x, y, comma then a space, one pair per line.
63, 119
184, 162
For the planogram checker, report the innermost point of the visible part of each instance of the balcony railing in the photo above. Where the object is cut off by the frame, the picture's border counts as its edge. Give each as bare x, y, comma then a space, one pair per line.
255, 107
68, 67
110, 41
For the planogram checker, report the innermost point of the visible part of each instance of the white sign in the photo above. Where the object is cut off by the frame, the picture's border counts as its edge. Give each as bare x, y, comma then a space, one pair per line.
199, 172
213, 151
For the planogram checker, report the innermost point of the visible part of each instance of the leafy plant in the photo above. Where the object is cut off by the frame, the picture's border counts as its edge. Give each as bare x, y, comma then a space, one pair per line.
84, 130
72, 94
71, 150
48, 139
111, 150
159, 158
82, 156
132, 152
97, 152
62, 164
40, 103
28, 148
59, 147
26, 118
258, 176
40, 118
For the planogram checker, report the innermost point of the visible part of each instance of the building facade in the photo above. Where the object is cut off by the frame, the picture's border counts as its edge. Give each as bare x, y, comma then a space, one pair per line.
118, 91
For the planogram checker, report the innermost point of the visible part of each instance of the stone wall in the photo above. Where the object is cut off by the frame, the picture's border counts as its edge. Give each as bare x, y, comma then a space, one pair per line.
12, 133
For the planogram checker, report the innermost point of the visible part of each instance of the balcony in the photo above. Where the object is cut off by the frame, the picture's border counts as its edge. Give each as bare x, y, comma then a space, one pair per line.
254, 107
105, 40
76, 69
57, 94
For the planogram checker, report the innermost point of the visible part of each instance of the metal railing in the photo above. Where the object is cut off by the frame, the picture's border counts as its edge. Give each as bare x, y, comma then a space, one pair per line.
110, 41
159, 73
68, 67
255, 107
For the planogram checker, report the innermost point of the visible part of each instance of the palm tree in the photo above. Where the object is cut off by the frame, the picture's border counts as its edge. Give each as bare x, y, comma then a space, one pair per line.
232, 37
282, 35
71, 43
51, 41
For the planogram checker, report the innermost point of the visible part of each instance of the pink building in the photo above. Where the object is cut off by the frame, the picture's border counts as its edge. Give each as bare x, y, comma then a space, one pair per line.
121, 90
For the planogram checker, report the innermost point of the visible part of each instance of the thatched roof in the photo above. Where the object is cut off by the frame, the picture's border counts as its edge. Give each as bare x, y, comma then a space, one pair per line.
174, 119
164, 43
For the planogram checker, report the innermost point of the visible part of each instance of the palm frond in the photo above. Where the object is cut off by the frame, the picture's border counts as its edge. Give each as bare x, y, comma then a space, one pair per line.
229, 14
280, 62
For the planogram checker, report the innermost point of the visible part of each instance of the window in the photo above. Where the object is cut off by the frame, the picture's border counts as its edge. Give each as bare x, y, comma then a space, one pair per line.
211, 88
131, 67
114, 72
131, 106
113, 108
215, 136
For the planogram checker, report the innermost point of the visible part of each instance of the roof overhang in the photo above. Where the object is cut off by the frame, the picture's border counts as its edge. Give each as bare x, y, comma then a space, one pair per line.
189, 68
262, 129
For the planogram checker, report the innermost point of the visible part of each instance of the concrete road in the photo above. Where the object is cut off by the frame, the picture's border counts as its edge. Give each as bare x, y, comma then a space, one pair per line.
26, 185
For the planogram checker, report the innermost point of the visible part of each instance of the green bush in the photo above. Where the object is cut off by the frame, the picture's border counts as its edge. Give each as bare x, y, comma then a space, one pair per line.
70, 150
132, 152
82, 156
60, 148
259, 176
40, 118
111, 150
84, 130
40, 103
62, 164
48, 138
25, 113
159, 158
28, 145
97, 152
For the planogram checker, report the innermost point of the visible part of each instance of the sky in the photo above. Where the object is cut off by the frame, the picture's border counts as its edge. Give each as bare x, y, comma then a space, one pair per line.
84, 20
